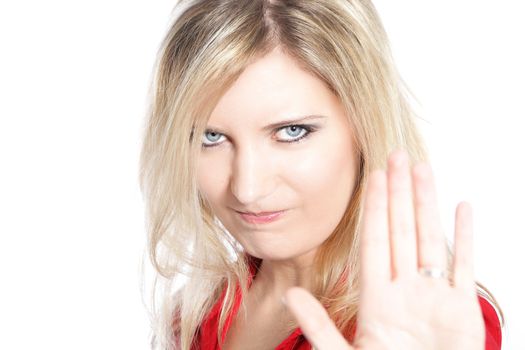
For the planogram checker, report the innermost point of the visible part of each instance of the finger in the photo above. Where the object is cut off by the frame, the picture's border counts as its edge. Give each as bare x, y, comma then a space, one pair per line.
401, 215
318, 328
463, 249
432, 249
375, 245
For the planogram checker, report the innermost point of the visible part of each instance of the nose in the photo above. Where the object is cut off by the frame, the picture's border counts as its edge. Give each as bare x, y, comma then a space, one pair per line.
251, 176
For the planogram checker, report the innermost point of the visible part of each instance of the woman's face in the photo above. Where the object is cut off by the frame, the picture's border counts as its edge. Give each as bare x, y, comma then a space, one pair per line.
252, 160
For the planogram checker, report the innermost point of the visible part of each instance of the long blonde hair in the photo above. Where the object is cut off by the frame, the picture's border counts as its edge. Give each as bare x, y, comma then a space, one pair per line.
209, 44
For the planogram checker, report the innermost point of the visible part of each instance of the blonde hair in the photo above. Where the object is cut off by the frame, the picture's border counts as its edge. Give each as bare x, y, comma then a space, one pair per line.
343, 43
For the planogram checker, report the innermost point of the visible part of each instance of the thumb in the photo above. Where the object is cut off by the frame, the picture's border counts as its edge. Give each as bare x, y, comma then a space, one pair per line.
315, 324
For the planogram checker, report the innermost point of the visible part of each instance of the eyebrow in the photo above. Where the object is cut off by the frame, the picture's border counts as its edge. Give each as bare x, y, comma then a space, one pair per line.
295, 120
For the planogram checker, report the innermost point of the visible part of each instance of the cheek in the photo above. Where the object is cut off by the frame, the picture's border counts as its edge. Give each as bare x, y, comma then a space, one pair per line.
324, 179
327, 169
211, 178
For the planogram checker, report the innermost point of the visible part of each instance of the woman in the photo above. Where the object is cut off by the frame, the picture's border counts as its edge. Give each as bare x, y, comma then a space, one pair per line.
262, 166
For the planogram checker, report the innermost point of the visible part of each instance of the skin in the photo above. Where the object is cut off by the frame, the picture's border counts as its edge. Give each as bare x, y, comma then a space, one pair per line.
400, 308
252, 169
249, 169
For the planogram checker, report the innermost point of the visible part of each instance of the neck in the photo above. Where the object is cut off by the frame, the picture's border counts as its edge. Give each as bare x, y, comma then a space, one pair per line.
276, 276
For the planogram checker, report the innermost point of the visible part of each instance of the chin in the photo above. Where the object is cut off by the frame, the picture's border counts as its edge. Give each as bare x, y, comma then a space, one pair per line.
281, 255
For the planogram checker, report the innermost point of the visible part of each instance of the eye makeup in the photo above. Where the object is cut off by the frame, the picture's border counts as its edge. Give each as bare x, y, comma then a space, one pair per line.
308, 130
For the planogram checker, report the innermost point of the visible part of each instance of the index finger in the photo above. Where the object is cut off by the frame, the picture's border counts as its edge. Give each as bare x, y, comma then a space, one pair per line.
375, 243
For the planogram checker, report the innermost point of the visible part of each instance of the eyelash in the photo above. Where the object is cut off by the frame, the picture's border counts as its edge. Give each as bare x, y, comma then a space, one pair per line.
309, 129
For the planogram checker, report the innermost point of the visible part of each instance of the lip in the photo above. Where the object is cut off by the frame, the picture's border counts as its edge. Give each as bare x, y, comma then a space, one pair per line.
261, 218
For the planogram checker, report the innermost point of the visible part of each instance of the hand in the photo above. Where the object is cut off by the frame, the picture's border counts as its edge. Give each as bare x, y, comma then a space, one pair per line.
400, 308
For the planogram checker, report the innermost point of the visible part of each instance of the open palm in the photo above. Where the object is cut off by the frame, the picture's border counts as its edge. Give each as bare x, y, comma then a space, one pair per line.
399, 307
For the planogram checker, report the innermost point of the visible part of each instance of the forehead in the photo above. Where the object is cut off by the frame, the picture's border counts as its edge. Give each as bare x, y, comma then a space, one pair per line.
271, 89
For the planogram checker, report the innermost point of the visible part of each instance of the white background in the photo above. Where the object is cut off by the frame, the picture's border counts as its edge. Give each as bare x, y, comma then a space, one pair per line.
73, 83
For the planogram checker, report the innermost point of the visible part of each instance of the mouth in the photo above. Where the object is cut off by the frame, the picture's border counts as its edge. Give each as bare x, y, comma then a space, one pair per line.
262, 217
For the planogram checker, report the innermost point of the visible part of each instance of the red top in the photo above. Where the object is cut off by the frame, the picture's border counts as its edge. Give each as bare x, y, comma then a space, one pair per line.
207, 336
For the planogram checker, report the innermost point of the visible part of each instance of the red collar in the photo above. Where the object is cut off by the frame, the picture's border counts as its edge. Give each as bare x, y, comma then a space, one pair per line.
207, 338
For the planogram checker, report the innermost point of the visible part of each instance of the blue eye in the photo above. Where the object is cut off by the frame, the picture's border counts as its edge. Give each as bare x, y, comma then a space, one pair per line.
294, 132
214, 137
297, 132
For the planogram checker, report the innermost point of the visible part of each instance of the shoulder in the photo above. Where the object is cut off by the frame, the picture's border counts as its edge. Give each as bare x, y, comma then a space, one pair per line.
492, 324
